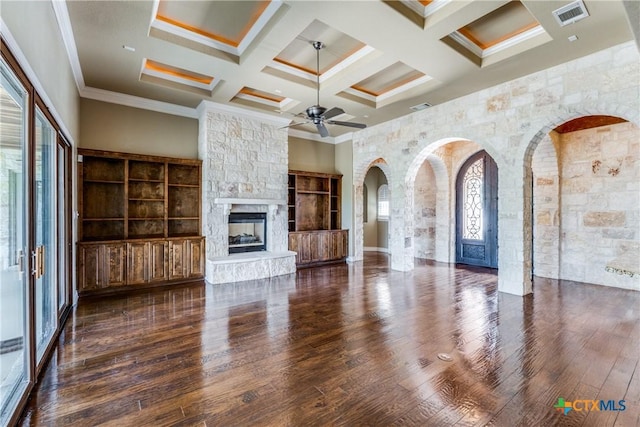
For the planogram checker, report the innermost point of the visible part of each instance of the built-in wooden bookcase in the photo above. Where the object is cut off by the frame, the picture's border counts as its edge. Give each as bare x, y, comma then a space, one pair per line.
138, 213
183, 200
103, 179
314, 206
146, 200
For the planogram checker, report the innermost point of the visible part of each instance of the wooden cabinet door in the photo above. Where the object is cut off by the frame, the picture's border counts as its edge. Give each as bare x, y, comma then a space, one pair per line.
115, 263
177, 257
320, 245
138, 260
301, 244
158, 261
196, 258
90, 267
339, 244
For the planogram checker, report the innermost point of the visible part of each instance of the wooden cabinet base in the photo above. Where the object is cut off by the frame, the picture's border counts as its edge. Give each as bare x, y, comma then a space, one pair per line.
319, 246
125, 265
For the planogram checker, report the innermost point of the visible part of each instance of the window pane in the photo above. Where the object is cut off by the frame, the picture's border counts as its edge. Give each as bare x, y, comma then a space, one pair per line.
13, 242
383, 202
472, 201
45, 232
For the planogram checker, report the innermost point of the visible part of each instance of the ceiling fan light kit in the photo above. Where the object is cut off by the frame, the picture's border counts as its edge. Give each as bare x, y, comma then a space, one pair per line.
319, 115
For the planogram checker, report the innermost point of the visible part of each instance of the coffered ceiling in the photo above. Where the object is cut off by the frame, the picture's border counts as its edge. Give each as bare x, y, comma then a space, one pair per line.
380, 59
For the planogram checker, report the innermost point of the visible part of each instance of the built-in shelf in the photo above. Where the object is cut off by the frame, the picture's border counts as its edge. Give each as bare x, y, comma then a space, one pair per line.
139, 221
138, 195
314, 218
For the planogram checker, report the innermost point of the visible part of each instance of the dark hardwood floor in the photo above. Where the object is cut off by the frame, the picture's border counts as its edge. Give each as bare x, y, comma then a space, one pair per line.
353, 345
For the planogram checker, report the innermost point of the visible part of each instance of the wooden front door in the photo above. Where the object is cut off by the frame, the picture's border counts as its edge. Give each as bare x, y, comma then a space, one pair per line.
477, 212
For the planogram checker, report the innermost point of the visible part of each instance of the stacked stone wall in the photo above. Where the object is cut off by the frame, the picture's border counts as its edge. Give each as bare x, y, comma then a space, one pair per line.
546, 213
242, 158
425, 201
508, 121
600, 205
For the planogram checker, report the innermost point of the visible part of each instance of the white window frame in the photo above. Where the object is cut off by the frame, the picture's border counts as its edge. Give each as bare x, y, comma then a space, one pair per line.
383, 206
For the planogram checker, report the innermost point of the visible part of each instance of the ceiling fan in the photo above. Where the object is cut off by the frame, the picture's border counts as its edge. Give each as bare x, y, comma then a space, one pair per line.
319, 115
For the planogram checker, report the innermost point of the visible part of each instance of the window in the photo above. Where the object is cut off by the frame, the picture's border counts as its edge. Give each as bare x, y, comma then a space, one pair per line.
472, 200
365, 203
383, 202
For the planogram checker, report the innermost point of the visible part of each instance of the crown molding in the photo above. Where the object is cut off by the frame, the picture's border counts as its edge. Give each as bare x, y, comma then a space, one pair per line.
138, 102
69, 41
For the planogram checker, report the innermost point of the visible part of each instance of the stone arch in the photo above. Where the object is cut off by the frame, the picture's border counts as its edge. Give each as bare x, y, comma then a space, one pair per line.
538, 132
530, 141
358, 183
444, 172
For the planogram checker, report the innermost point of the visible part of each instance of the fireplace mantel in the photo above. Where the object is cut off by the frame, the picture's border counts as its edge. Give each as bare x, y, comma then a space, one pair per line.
229, 202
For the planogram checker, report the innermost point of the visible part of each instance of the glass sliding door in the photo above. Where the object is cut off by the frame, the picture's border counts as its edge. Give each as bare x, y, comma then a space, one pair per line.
14, 342
45, 224
35, 234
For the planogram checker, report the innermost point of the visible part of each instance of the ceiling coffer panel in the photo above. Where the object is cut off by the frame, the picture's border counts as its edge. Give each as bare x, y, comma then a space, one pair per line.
389, 85
503, 23
505, 32
297, 61
219, 28
177, 78
390, 78
225, 22
263, 100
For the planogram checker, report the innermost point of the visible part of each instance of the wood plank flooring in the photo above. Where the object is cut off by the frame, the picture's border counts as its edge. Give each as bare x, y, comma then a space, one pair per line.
352, 345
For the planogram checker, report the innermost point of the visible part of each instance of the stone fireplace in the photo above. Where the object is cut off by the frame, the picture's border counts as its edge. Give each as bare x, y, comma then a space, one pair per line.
244, 166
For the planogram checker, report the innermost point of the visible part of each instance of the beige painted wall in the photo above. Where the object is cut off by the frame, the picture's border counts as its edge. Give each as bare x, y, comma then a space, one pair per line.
34, 27
113, 127
311, 156
344, 165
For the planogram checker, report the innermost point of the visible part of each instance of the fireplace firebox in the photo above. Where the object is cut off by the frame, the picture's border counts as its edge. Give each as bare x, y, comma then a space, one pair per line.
247, 232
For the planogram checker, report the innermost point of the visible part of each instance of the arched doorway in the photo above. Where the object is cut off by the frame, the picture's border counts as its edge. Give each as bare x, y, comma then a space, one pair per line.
477, 212
376, 211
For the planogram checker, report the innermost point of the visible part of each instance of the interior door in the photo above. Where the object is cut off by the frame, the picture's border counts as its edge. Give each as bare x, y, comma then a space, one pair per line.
477, 212
14, 342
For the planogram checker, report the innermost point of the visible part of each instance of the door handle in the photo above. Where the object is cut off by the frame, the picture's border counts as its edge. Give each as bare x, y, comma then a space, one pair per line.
37, 262
20, 261
41, 251
34, 263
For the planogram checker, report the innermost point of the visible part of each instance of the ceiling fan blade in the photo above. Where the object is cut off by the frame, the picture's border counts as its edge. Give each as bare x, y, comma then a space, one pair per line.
322, 129
351, 125
335, 111
294, 124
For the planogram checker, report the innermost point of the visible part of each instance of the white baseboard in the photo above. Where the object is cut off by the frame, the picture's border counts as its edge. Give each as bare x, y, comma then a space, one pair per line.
374, 249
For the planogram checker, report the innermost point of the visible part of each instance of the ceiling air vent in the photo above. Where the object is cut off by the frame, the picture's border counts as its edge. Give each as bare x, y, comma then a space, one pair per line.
419, 107
570, 13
